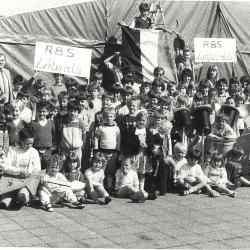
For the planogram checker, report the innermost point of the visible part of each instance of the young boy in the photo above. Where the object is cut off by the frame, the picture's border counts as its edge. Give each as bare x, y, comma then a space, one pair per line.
107, 141
222, 87
21, 161
93, 93
58, 86
44, 133
72, 132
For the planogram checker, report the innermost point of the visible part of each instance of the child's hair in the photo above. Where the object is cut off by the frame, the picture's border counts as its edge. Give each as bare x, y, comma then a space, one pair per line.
164, 126
143, 7
55, 159
153, 94
229, 98
16, 104
43, 105
142, 114
239, 98
187, 72
18, 80
146, 84
217, 157
127, 91
211, 68
128, 79
109, 111
198, 97
191, 85
158, 83
166, 100
97, 76
63, 95
21, 94
99, 157
125, 159
40, 83
133, 99
109, 96
245, 79
222, 117
180, 146
74, 105
71, 159
221, 81
71, 83
94, 86
204, 84
25, 134
57, 74
235, 153
182, 100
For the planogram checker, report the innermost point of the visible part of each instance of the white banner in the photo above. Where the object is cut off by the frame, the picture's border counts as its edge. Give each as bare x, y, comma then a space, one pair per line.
215, 50
62, 59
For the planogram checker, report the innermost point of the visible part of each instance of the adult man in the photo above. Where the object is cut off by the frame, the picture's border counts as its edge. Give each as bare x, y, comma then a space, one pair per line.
6, 90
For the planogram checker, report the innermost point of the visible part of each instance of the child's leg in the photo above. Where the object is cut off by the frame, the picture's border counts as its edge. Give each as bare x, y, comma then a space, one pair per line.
163, 175
244, 181
23, 196
224, 189
44, 196
211, 191
69, 195
183, 184
141, 181
112, 160
100, 190
126, 192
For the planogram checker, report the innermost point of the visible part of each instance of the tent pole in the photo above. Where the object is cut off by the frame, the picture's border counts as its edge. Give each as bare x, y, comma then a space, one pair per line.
237, 49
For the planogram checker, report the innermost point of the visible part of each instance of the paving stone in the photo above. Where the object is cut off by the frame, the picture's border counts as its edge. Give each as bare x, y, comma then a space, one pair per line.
61, 237
210, 245
26, 241
100, 243
69, 244
10, 227
191, 239
44, 231
5, 243
19, 234
218, 235
236, 242
84, 235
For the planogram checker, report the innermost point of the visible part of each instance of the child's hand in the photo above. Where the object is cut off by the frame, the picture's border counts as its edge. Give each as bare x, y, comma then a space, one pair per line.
24, 174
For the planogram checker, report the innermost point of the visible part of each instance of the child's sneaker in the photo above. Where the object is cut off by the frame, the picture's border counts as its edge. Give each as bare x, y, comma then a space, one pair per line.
232, 194
49, 208
140, 198
186, 192
77, 205
152, 196
107, 200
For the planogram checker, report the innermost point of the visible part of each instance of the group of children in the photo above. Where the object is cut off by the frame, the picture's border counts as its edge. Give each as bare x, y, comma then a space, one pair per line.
122, 140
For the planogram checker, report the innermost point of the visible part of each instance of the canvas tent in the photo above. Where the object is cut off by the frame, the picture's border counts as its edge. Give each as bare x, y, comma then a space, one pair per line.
91, 24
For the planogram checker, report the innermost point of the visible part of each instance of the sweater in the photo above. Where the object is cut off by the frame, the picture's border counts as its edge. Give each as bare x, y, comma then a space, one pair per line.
129, 179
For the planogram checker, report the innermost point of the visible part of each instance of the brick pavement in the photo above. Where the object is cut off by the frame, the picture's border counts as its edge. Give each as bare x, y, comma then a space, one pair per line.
173, 221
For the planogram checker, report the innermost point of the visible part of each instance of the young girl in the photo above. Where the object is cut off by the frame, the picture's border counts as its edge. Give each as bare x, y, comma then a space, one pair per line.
212, 75
191, 177
55, 187
127, 182
217, 175
75, 177
94, 180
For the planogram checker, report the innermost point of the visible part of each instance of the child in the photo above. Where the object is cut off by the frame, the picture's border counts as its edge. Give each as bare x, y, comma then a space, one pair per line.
222, 87
28, 112
162, 148
127, 182
55, 187
58, 86
191, 177
176, 161
21, 161
75, 177
94, 180
222, 130
145, 88
16, 124
97, 103
107, 141
72, 132
234, 167
18, 83
44, 133
217, 175
212, 75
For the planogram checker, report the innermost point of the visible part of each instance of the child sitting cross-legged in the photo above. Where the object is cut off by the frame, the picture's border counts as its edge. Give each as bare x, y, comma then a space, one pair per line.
55, 187
94, 180
191, 178
217, 175
127, 182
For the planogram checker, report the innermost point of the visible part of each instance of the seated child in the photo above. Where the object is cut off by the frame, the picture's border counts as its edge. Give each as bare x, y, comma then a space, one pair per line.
55, 187
127, 182
94, 180
21, 161
234, 167
191, 177
176, 161
75, 177
217, 175
222, 130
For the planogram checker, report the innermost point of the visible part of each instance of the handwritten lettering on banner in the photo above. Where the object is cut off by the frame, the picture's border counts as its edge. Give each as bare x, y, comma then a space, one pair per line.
215, 50
62, 59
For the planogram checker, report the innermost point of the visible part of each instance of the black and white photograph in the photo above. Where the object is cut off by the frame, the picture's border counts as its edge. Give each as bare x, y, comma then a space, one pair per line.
125, 124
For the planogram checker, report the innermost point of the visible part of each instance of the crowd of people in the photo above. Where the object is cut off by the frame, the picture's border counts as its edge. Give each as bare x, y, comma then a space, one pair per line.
122, 141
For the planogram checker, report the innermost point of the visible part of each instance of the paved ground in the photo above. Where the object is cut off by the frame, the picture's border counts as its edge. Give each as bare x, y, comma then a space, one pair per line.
173, 221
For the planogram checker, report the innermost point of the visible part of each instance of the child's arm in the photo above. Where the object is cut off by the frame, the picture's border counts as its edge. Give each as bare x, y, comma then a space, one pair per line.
118, 139
135, 180
97, 135
223, 176
172, 167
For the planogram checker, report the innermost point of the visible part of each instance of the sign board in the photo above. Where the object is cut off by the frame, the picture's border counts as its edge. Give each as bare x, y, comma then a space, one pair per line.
215, 50
62, 59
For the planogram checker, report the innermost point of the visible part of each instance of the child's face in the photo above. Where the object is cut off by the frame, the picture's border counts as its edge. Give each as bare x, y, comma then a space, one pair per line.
146, 89
27, 143
142, 122
186, 55
192, 161
42, 113
18, 87
191, 91
117, 97
157, 122
53, 112
132, 107
222, 124
179, 154
144, 13
205, 91
72, 166
222, 88
16, 112
164, 108
213, 73
128, 84
126, 166
73, 114
46, 97
183, 91
217, 164
171, 90
96, 166
153, 102
53, 169
106, 102
186, 78
159, 74
58, 78
24, 100
231, 102
64, 103
84, 104
93, 94
109, 117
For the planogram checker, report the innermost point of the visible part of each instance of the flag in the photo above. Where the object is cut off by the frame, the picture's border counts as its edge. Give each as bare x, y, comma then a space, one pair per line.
146, 49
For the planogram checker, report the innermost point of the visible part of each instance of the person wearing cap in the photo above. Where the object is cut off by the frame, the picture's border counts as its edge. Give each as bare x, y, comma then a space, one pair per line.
6, 88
